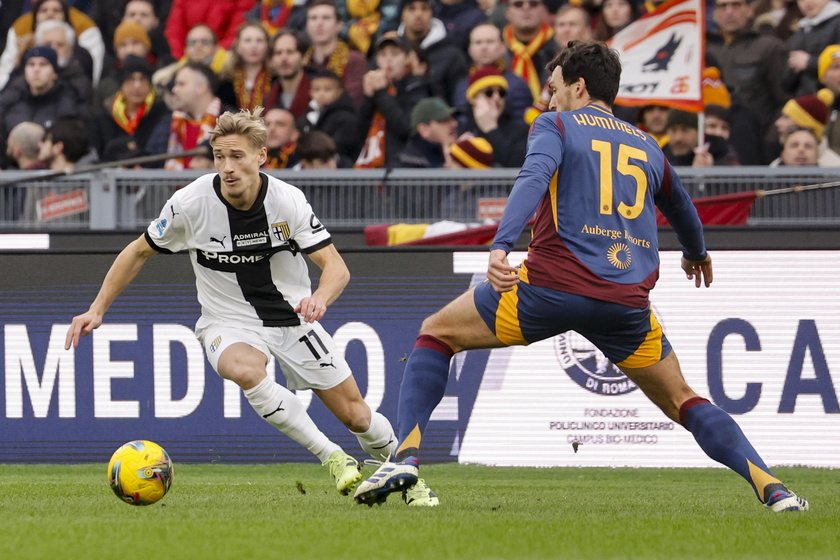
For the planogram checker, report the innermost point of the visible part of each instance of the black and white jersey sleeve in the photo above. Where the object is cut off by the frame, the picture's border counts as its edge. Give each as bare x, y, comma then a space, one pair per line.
249, 264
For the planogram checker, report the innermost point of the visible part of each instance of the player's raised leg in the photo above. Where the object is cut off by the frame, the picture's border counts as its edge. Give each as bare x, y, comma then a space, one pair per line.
718, 435
456, 327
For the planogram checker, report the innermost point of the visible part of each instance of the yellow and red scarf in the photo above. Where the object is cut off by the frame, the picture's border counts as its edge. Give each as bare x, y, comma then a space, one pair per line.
337, 62
120, 116
372, 155
522, 63
262, 85
275, 13
366, 13
181, 121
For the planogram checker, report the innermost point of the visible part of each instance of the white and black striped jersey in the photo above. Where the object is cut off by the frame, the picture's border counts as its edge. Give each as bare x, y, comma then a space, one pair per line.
248, 263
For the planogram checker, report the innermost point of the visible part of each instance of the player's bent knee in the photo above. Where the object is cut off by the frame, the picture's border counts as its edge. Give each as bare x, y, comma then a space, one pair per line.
356, 417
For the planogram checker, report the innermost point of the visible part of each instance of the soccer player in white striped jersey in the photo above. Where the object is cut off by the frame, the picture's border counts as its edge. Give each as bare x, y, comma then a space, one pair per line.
247, 234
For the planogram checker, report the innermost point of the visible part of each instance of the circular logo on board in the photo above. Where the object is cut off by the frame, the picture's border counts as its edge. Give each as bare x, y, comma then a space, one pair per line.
589, 367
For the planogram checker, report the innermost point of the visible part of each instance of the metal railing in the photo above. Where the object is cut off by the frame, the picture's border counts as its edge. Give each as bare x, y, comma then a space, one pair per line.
120, 199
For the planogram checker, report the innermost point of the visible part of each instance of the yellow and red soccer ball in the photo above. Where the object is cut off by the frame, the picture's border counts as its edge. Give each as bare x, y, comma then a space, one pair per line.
140, 472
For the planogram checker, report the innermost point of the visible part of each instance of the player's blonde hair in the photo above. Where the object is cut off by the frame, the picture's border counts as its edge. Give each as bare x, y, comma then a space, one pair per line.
244, 123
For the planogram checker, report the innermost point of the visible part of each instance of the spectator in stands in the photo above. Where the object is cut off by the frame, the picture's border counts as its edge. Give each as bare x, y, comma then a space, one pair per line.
195, 111
751, 64
461, 202
278, 14
12, 9
829, 74
779, 17
332, 112
42, 97
22, 36
143, 13
683, 138
108, 14
328, 52
288, 62
366, 21
282, 139
487, 49
818, 28
812, 112
136, 112
743, 144
447, 62
202, 46
22, 150
65, 145
487, 118
60, 36
245, 79
528, 37
653, 119
615, 16
459, 18
391, 91
224, 18
801, 148
434, 126
316, 150
130, 39
571, 23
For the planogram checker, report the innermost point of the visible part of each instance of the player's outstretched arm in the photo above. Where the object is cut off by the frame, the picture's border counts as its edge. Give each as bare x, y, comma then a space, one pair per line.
500, 274
698, 270
125, 267
334, 278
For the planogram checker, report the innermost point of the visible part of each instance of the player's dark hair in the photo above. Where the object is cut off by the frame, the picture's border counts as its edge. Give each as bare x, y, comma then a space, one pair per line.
301, 40
597, 64
72, 132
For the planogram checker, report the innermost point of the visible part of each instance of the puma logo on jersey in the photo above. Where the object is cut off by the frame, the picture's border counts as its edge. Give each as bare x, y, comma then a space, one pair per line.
219, 241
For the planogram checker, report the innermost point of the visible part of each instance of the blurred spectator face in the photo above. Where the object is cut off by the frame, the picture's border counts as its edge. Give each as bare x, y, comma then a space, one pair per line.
141, 12
811, 8
801, 148
442, 132
393, 61
51, 9
831, 80
280, 125
201, 44
682, 139
39, 74
322, 24
496, 95
324, 91
47, 150
732, 15
486, 46
129, 46
715, 126
317, 163
57, 39
188, 87
286, 61
655, 119
417, 17
136, 88
570, 25
783, 125
252, 45
525, 15
616, 13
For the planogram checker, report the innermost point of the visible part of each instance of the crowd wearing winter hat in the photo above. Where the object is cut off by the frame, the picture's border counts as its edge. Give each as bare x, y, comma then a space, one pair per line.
117, 67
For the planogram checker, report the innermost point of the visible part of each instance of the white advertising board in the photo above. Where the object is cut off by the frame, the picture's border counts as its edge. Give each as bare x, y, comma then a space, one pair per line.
763, 343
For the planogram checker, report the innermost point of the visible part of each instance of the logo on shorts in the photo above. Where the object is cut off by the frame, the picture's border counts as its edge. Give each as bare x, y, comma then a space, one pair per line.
619, 255
215, 344
589, 367
281, 231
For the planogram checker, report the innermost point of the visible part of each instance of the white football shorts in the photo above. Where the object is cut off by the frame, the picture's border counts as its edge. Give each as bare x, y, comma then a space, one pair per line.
306, 353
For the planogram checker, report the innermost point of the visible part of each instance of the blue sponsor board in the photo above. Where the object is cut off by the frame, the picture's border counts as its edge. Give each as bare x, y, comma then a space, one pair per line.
142, 375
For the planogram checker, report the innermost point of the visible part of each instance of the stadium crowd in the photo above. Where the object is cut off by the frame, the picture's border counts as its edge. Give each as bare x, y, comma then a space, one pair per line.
389, 83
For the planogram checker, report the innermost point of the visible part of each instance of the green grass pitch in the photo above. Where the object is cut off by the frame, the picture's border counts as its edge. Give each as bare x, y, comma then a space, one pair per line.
291, 511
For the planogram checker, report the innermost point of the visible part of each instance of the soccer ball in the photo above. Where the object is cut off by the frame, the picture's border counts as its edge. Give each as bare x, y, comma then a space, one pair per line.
140, 472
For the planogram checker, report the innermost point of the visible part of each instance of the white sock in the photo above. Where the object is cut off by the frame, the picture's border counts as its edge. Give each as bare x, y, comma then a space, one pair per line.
379, 441
282, 409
